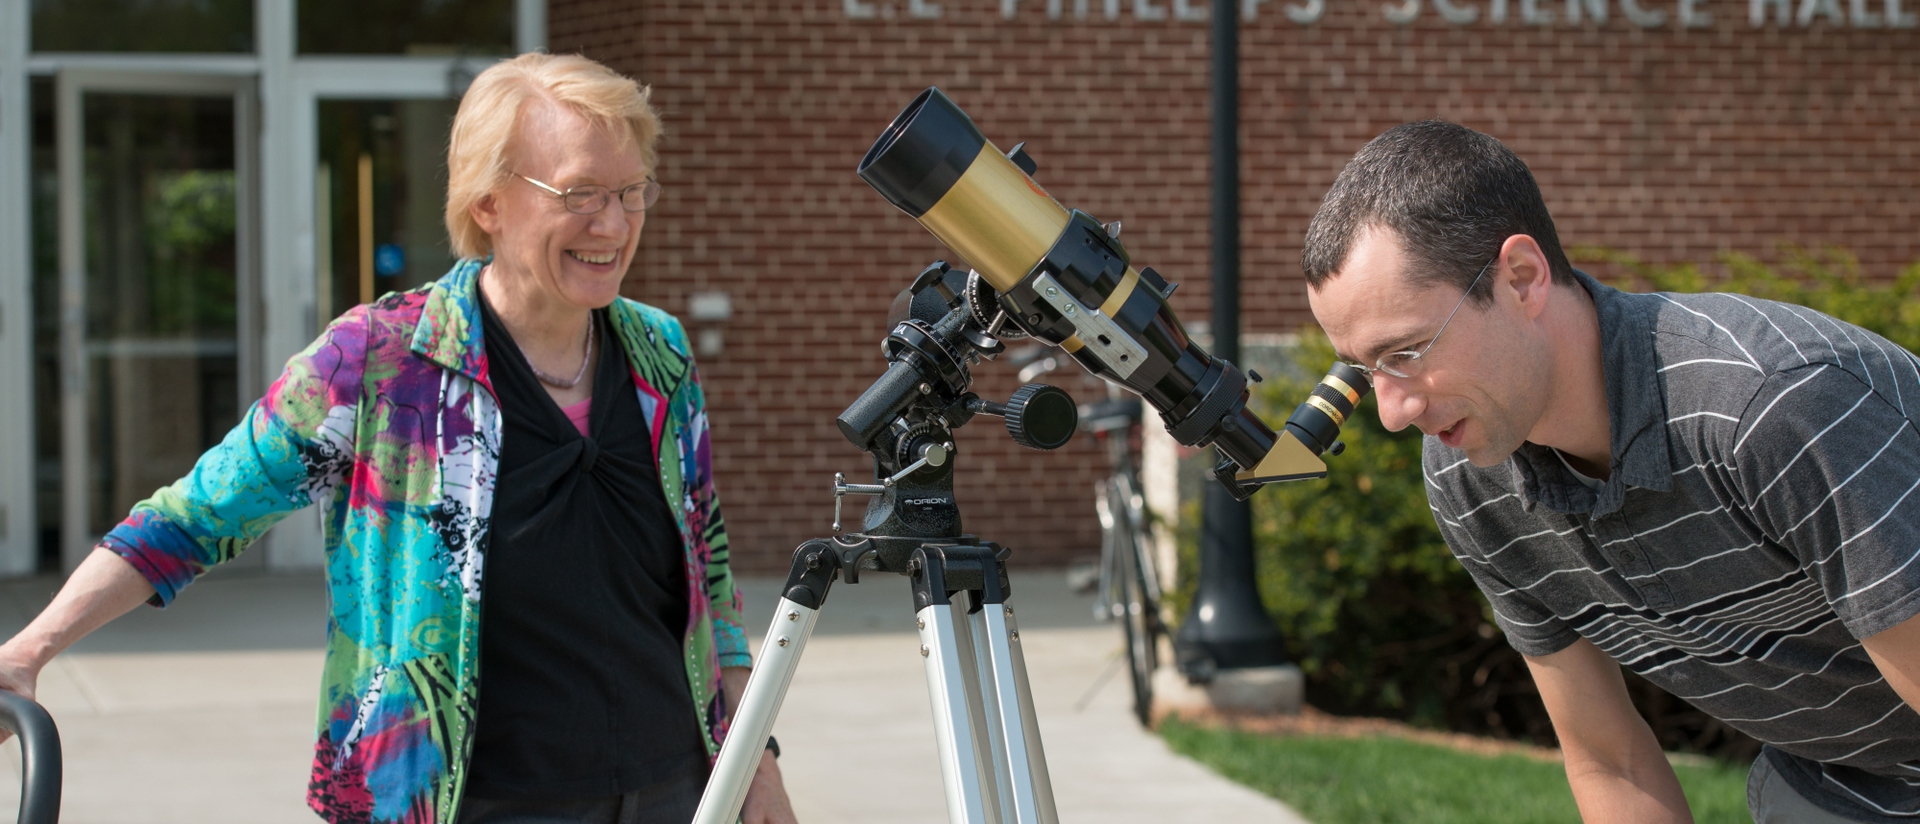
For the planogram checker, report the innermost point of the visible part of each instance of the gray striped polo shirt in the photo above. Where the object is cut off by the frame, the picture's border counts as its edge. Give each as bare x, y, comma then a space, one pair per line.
1761, 515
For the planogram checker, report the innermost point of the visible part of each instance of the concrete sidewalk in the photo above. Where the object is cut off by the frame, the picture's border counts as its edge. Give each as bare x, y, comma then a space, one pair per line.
204, 712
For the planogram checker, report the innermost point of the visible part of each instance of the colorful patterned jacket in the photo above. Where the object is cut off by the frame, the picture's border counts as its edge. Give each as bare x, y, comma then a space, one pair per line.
390, 424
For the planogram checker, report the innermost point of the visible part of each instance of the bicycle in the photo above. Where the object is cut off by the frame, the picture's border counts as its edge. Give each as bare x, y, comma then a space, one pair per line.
1128, 587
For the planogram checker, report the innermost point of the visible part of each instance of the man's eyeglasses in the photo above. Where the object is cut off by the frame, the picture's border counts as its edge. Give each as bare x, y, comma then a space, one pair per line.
591, 198
1406, 363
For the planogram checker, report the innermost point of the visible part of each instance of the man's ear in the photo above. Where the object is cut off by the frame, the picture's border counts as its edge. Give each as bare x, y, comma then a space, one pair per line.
1524, 267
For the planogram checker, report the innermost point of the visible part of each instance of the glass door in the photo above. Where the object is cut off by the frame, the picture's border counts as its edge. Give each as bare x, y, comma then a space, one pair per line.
157, 284
381, 187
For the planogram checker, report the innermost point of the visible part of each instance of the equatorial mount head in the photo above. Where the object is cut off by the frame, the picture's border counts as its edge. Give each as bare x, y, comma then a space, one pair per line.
905, 419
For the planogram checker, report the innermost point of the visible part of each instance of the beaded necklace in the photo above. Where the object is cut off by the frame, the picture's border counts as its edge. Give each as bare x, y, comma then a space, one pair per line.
563, 383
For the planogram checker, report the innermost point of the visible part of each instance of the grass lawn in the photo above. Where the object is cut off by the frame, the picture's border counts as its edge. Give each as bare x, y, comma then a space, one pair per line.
1379, 779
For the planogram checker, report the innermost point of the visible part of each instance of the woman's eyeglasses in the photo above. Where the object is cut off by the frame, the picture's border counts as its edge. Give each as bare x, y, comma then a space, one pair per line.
591, 198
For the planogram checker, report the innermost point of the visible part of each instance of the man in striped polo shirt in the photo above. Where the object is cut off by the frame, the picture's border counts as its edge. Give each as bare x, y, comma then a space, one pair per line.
1718, 492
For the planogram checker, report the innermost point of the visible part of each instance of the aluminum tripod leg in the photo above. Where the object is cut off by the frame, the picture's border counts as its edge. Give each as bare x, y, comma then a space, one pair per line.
1029, 796
991, 759
753, 722
959, 726
991, 728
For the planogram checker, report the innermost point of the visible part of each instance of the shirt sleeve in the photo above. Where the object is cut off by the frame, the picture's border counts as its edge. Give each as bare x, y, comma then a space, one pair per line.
1829, 469
724, 600
292, 448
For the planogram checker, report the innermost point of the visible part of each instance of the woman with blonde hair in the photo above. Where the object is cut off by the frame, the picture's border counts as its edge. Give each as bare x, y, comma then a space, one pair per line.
516, 418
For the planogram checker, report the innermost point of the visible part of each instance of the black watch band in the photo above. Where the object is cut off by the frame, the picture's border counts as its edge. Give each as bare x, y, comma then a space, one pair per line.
774, 745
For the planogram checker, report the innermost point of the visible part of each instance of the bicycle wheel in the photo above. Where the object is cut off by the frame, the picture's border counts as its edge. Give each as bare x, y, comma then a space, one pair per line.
1139, 616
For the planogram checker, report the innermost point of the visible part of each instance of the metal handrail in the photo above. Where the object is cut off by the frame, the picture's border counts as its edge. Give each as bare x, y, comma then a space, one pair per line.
39, 756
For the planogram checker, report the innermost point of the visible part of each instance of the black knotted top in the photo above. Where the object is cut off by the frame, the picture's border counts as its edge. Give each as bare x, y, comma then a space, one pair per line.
583, 686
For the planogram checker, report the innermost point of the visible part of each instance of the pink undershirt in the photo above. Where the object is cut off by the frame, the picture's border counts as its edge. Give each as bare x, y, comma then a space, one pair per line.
578, 414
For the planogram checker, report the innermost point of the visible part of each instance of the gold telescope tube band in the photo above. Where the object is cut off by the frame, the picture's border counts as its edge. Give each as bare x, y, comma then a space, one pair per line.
1111, 307
997, 219
1336, 384
1320, 403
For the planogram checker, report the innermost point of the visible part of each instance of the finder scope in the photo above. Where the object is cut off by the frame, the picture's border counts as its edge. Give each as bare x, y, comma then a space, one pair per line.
1063, 277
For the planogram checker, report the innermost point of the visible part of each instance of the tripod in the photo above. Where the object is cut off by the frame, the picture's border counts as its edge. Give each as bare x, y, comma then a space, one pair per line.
991, 760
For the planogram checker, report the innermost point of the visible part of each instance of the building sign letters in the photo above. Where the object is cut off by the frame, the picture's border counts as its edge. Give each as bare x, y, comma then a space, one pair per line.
1647, 14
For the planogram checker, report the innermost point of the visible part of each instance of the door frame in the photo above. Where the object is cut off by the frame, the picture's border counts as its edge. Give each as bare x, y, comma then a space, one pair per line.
70, 89
288, 86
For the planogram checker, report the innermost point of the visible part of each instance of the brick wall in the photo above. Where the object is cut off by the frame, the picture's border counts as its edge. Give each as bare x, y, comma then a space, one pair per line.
1670, 143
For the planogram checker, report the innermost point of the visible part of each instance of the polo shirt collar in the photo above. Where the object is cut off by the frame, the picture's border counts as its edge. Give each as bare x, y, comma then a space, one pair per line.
1636, 415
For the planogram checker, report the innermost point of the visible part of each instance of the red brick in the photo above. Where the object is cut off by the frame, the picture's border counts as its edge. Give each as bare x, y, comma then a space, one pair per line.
1671, 145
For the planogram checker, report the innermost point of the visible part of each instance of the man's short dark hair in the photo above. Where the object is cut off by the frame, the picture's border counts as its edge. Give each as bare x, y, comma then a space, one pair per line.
1452, 194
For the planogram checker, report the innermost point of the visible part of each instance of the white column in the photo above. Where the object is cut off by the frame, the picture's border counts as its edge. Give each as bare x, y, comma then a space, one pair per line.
18, 527
287, 278
530, 25
1160, 486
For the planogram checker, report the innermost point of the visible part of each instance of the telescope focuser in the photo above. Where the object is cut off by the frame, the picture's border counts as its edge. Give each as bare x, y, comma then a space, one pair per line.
1059, 275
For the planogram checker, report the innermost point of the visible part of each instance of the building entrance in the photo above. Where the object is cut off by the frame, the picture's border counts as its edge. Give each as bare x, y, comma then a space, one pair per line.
189, 193
157, 285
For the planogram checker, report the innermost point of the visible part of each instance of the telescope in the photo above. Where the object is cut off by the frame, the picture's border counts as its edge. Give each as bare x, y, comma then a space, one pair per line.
1039, 271
1057, 275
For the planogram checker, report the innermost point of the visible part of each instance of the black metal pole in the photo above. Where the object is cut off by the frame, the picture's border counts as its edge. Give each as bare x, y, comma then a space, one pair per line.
1228, 627
1226, 181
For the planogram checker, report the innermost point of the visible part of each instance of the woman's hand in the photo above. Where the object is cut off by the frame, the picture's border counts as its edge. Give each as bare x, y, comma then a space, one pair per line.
767, 796
20, 665
18, 674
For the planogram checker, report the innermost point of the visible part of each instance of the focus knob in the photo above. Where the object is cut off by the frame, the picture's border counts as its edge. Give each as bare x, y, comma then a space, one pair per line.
1041, 416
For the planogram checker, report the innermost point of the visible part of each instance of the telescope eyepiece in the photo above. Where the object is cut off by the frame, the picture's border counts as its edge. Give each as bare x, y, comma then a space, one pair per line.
1317, 420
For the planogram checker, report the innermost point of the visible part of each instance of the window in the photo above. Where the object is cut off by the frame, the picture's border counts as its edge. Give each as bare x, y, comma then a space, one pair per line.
143, 25
415, 27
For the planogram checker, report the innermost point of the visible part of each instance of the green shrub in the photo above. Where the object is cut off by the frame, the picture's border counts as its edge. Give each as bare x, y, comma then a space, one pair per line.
1377, 612
1827, 280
